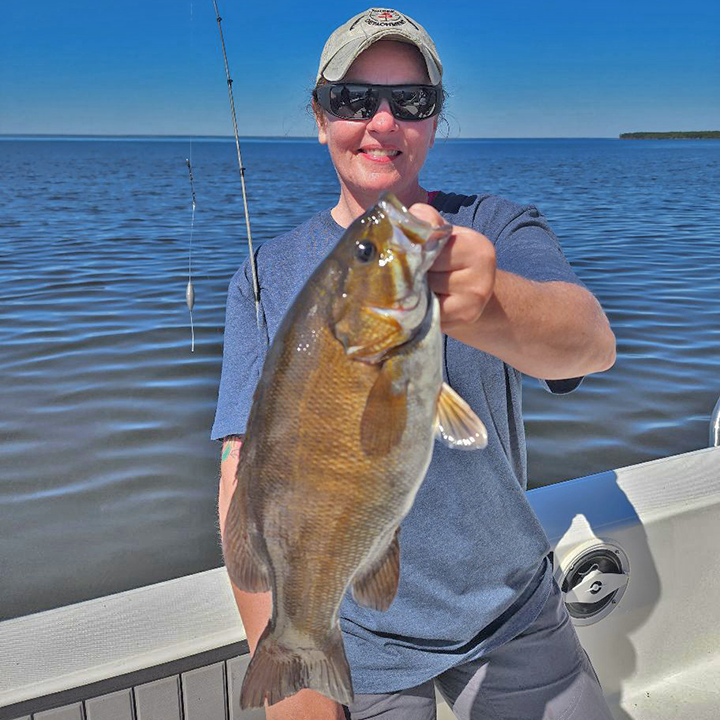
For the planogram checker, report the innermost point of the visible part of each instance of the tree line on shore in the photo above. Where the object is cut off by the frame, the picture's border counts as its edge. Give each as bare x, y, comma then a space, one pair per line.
675, 135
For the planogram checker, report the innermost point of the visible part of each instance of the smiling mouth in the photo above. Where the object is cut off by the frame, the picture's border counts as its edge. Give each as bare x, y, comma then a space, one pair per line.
380, 152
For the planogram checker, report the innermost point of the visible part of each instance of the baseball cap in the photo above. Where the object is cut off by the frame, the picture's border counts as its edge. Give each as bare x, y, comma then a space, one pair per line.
361, 31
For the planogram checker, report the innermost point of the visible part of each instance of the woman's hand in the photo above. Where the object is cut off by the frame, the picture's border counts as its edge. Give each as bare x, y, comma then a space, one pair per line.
463, 275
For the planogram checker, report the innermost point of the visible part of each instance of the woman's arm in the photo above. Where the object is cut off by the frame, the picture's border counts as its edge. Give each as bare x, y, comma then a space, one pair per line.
255, 608
550, 330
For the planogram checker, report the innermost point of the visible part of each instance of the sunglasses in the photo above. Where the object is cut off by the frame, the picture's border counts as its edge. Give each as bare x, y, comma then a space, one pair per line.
359, 101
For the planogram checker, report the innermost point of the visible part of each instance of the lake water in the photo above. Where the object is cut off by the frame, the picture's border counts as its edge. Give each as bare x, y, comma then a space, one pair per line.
108, 478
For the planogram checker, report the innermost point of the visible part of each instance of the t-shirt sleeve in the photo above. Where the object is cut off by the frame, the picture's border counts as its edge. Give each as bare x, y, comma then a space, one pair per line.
527, 247
244, 350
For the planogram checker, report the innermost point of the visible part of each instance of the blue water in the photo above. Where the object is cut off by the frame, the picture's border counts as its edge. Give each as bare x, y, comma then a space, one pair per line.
107, 477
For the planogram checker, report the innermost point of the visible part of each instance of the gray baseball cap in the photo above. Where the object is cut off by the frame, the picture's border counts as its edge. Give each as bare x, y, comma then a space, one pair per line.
361, 31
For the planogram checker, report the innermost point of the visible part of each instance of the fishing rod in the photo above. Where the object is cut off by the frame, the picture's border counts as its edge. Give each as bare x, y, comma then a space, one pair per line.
256, 286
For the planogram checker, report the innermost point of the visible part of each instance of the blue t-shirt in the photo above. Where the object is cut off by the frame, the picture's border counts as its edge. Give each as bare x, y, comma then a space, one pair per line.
474, 571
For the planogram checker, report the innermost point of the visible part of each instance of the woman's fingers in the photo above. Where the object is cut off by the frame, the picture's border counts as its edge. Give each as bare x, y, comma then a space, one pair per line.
458, 282
463, 277
445, 283
461, 302
465, 248
427, 213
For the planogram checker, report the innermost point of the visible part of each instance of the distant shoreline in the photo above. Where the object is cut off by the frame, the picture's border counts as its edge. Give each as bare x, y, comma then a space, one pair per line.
673, 135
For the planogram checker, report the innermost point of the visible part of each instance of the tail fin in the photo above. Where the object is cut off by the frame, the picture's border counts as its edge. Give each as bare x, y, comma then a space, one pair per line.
276, 672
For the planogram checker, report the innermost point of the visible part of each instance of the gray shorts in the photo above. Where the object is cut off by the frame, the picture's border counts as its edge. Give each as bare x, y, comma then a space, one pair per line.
542, 674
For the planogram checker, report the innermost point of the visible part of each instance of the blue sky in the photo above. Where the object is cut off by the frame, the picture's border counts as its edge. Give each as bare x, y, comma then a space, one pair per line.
549, 68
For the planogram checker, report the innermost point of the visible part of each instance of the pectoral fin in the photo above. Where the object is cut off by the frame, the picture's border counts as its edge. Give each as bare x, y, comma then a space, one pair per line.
385, 415
240, 542
456, 424
375, 586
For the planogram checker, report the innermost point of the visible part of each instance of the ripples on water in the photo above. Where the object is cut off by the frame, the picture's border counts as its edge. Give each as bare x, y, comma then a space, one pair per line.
108, 479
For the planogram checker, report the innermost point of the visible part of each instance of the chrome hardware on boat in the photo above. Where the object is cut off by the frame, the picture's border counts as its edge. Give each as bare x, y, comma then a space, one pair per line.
595, 586
593, 581
715, 426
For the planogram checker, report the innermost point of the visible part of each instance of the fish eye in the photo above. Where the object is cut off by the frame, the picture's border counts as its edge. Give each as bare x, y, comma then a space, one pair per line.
365, 251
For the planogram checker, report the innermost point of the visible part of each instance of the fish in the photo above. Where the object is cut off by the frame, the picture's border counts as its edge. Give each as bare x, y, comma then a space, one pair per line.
339, 438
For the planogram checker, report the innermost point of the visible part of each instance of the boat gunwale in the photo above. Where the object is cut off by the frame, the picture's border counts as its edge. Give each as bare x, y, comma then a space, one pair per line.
125, 681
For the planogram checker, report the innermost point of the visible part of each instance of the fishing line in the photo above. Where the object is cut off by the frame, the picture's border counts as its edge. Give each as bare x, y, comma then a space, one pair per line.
190, 290
256, 287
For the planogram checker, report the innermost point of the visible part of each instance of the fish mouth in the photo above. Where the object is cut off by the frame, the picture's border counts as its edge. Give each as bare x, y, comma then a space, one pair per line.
430, 237
415, 320
400, 307
431, 246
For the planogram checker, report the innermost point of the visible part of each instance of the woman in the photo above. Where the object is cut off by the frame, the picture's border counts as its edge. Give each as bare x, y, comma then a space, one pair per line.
477, 610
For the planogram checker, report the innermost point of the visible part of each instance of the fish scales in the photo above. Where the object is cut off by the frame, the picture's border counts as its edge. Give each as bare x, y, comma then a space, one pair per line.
329, 463
338, 441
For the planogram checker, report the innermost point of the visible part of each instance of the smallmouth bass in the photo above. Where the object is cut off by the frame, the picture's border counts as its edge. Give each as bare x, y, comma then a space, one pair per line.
339, 439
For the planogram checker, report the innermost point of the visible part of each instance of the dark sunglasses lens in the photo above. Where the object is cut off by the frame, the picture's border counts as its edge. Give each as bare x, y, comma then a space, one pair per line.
352, 102
360, 102
414, 103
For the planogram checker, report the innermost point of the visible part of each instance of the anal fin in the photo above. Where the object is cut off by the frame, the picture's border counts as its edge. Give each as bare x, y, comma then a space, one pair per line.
246, 568
375, 587
456, 424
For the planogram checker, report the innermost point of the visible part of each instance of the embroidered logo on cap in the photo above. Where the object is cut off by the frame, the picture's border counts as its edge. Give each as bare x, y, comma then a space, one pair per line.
387, 18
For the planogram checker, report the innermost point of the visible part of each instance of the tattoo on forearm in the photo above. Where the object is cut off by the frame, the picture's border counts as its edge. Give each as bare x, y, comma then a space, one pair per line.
231, 446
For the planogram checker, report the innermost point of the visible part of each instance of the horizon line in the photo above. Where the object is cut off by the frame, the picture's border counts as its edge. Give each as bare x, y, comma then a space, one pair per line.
143, 136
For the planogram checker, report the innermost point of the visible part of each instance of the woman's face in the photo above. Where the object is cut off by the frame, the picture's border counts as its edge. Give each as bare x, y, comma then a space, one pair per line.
356, 146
